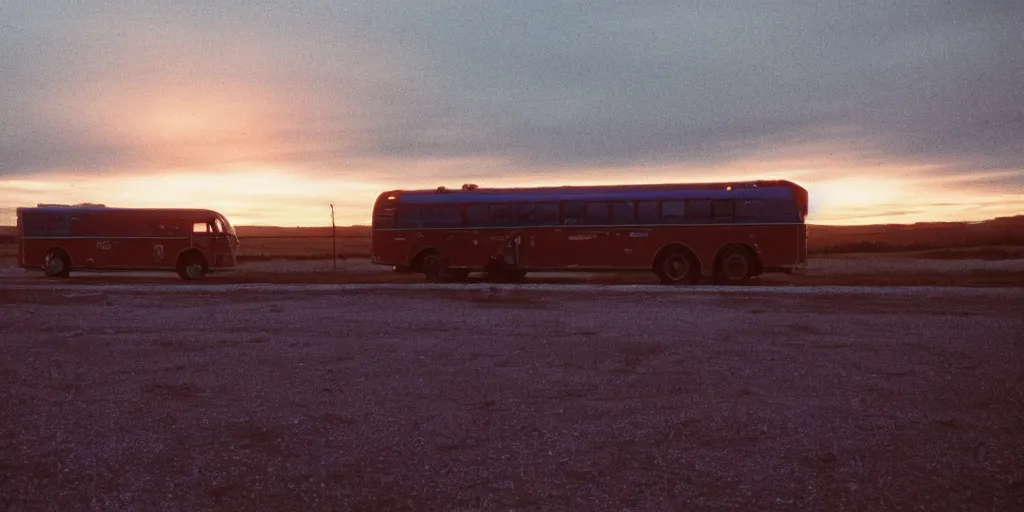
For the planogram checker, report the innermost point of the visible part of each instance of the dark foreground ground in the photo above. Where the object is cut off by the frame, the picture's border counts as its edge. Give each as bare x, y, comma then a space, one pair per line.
587, 398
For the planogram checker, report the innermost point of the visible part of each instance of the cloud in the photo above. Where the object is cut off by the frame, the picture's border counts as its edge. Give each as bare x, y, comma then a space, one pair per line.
432, 90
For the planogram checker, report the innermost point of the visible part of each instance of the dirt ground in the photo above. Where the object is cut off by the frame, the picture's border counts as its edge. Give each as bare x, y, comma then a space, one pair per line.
478, 397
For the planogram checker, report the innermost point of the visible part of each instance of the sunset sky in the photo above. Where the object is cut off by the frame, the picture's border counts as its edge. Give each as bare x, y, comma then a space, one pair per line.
269, 111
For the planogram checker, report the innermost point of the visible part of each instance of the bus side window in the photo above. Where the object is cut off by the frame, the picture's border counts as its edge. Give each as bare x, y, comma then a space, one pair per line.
524, 214
384, 220
673, 212
647, 212
547, 214
200, 227
597, 213
442, 216
723, 209
778, 211
698, 209
497, 215
410, 216
748, 210
622, 213
572, 212
476, 215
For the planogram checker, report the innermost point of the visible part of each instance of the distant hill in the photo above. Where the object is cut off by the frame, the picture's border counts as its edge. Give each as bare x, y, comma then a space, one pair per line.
316, 232
924, 235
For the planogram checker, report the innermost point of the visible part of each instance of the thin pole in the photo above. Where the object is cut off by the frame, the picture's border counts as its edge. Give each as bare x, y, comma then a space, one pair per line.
334, 240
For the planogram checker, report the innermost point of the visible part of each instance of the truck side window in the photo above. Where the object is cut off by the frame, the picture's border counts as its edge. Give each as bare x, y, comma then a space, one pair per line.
200, 227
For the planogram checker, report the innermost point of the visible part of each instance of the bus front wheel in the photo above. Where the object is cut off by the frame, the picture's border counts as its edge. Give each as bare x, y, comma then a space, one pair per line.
57, 263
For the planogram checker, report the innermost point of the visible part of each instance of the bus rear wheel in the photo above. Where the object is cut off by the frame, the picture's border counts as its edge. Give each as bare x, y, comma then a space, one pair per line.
735, 266
191, 267
57, 263
676, 268
435, 268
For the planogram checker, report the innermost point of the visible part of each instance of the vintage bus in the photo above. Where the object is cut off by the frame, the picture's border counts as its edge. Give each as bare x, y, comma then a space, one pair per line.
684, 233
61, 238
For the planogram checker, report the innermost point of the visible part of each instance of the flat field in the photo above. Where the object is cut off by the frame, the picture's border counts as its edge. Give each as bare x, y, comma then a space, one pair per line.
478, 397
303, 248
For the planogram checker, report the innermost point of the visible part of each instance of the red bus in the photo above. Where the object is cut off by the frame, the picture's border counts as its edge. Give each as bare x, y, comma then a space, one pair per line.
62, 238
726, 232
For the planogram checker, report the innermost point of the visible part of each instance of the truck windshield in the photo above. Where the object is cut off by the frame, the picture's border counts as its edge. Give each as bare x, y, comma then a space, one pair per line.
228, 228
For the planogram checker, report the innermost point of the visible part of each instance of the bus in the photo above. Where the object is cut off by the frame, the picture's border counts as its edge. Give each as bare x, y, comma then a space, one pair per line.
684, 233
58, 239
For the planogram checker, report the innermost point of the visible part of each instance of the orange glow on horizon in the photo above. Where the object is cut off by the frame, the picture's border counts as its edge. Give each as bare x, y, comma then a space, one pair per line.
268, 196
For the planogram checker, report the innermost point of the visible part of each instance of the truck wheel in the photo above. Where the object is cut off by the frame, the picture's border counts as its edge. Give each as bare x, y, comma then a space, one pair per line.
57, 263
191, 267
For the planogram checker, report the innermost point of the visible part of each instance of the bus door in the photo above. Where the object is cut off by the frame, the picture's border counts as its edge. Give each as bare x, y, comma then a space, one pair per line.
211, 237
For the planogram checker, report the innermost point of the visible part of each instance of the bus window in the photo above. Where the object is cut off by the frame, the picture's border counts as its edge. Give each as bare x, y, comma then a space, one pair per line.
572, 212
748, 210
622, 213
546, 214
698, 209
476, 215
723, 209
407, 216
524, 213
384, 220
673, 211
200, 227
778, 211
647, 212
442, 216
497, 215
597, 213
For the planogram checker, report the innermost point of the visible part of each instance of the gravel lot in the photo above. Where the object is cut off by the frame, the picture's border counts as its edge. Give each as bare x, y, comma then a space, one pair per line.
171, 397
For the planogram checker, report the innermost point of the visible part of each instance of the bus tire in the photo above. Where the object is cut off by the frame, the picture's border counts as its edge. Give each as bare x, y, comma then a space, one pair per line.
735, 265
57, 263
191, 266
676, 267
433, 267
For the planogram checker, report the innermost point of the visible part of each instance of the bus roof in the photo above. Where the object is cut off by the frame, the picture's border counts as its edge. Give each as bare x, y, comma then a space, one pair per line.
60, 208
760, 189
